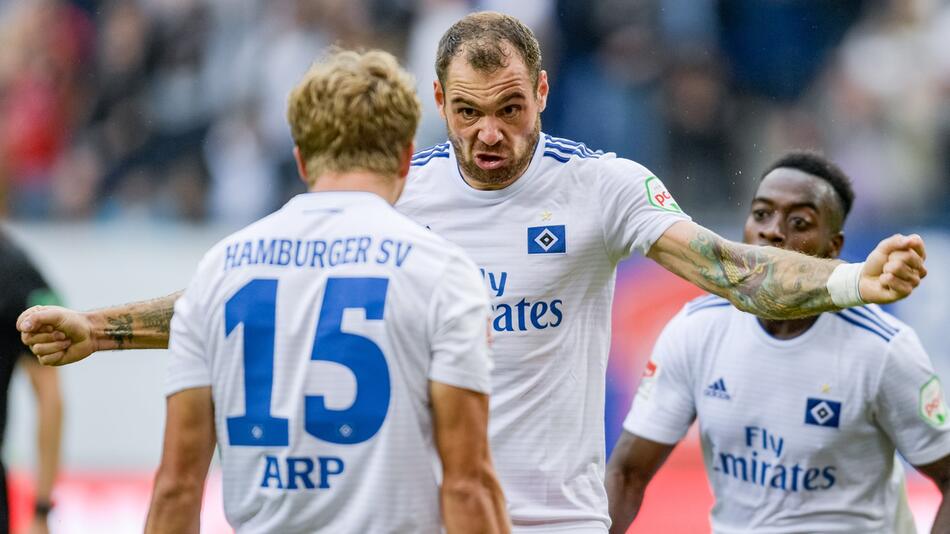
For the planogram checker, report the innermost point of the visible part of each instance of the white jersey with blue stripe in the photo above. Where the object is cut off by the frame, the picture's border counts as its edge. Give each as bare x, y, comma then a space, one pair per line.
798, 435
548, 246
319, 328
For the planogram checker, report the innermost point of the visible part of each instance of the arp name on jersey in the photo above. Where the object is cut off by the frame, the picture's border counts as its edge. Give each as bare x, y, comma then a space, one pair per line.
295, 472
769, 473
523, 315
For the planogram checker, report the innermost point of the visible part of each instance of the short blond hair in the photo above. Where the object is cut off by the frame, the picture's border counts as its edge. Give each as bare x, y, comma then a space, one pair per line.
354, 111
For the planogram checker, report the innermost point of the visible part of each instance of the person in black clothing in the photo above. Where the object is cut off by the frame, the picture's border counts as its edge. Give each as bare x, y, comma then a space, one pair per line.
22, 286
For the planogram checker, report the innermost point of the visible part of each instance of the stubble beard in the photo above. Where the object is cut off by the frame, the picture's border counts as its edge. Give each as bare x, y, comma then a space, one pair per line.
496, 178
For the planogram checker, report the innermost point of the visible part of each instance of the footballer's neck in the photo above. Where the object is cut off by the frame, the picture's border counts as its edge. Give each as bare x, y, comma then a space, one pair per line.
388, 187
787, 329
792, 328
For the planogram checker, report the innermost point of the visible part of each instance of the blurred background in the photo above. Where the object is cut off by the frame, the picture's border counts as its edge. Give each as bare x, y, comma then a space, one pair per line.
134, 134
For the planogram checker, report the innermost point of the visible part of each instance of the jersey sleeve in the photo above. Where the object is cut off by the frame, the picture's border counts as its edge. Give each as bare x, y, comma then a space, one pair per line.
190, 363
910, 405
458, 327
637, 208
664, 407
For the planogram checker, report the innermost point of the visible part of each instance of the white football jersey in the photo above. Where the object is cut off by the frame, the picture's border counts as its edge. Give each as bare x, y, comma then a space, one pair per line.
797, 435
548, 246
318, 329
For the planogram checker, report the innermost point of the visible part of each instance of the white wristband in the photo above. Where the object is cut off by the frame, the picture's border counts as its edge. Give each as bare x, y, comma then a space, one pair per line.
844, 285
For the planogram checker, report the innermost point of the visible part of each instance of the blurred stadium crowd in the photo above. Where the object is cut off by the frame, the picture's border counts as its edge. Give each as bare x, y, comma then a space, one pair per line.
174, 109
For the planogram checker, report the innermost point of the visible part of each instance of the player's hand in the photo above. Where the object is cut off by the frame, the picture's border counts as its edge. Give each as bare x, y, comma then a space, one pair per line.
56, 335
893, 269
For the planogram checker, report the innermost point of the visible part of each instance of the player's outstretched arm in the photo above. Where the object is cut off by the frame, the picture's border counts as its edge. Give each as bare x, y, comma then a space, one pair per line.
632, 465
939, 472
780, 284
186, 455
471, 496
59, 336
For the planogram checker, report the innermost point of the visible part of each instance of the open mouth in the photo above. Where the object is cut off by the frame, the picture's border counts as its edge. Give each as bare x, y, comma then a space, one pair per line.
489, 161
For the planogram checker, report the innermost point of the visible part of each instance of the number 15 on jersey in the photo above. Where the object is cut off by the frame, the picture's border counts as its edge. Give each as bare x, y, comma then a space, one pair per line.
254, 306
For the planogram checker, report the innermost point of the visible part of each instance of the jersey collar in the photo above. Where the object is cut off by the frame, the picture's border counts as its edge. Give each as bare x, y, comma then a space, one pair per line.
794, 343
325, 200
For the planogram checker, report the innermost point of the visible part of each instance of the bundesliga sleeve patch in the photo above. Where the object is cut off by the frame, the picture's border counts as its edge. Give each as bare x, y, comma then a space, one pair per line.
660, 197
933, 409
650, 370
648, 381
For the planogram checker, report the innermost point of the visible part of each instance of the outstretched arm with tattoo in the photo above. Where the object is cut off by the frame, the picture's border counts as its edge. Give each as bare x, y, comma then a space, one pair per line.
779, 284
767, 281
59, 336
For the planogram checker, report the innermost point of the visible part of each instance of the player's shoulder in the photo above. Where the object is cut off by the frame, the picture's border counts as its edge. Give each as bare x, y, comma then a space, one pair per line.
427, 172
436, 255
702, 315
605, 168
573, 153
399, 222
385, 220
253, 229
561, 152
872, 324
706, 307
429, 160
262, 229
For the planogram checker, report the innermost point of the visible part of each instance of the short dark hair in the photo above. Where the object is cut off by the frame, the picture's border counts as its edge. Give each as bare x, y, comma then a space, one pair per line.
483, 36
819, 166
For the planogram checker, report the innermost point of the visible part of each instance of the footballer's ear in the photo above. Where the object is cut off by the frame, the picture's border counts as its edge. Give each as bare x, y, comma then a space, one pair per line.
439, 97
837, 243
543, 88
405, 159
301, 167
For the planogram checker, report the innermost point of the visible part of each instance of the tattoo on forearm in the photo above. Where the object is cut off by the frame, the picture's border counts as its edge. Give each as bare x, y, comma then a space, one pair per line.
769, 282
120, 329
158, 320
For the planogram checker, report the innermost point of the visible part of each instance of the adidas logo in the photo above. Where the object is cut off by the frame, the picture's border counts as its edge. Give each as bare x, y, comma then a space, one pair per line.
717, 389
